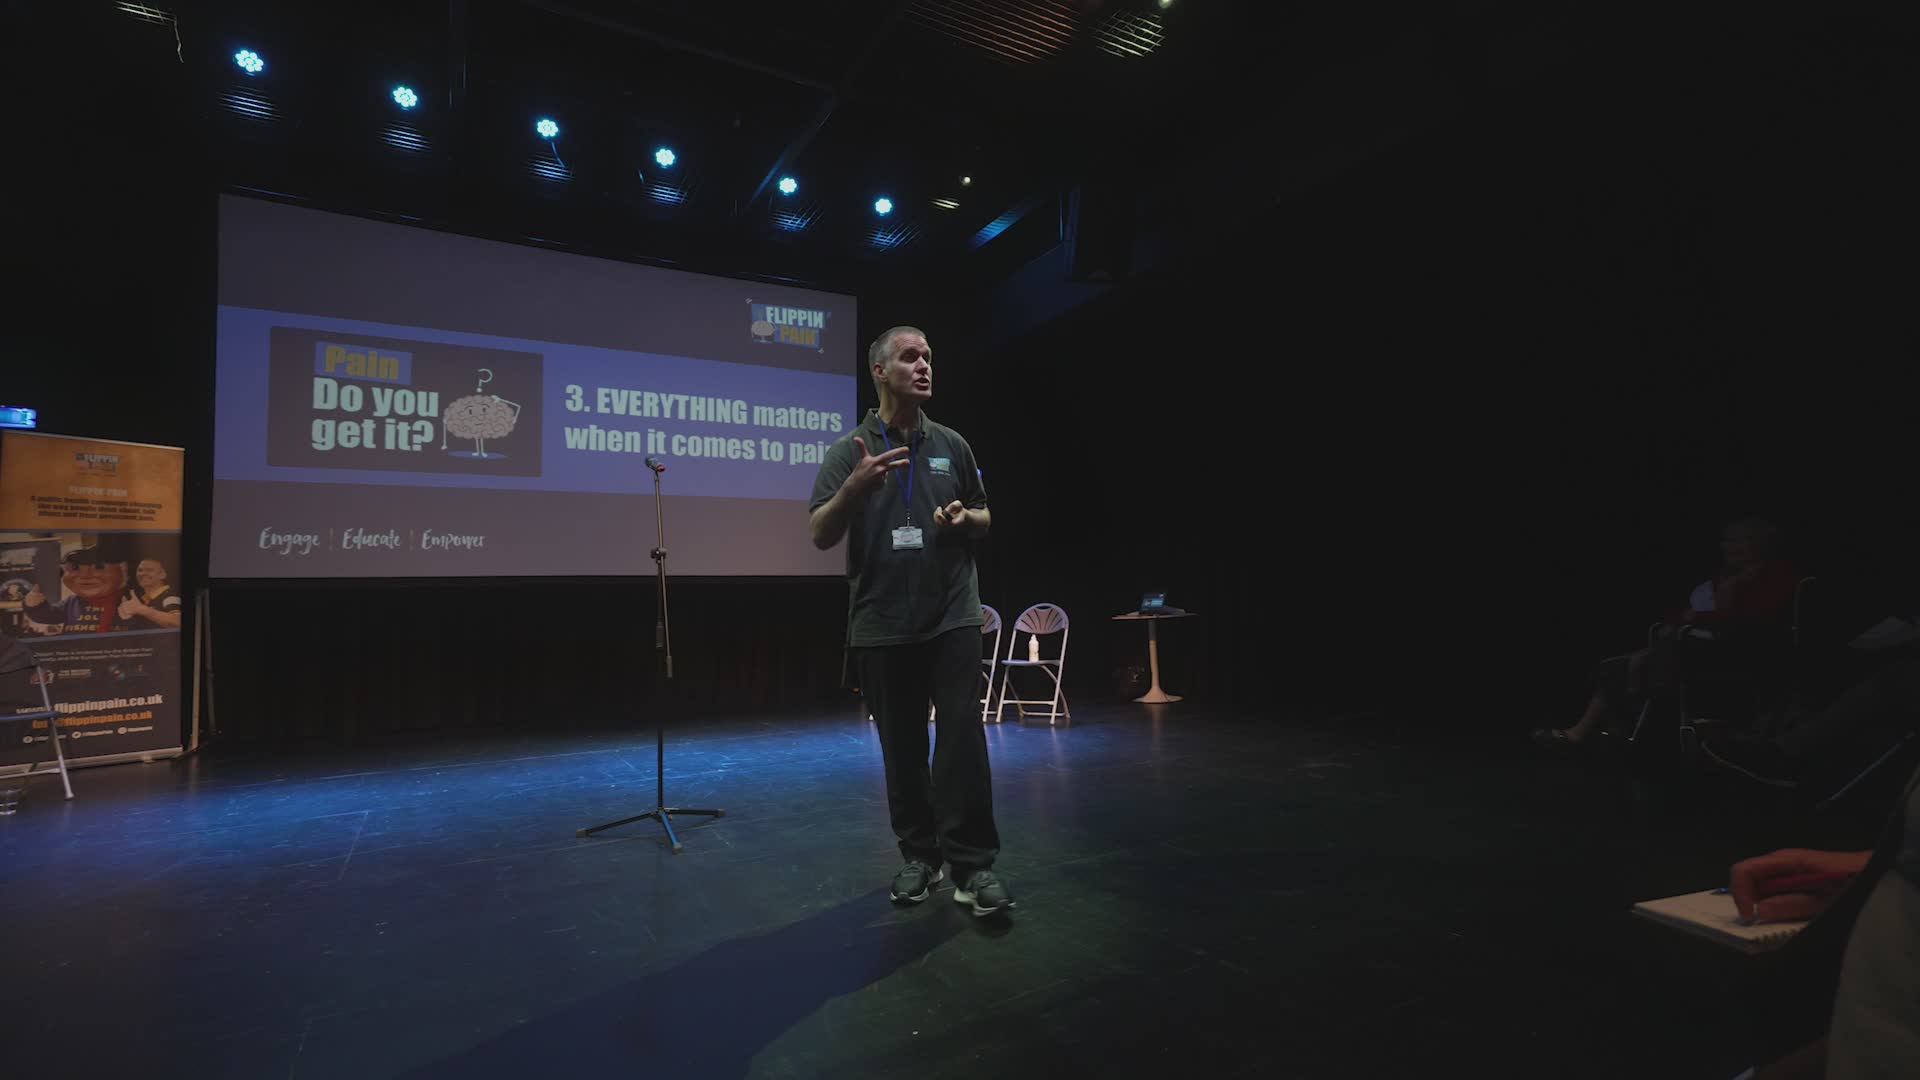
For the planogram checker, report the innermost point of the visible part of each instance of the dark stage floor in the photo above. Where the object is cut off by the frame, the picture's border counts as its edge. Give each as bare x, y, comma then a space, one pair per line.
1211, 894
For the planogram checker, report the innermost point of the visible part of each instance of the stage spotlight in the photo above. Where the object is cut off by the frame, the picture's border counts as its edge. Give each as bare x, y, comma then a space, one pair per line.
788, 185
249, 61
966, 181
883, 206
547, 128
1164, 4
404, 97
664, 158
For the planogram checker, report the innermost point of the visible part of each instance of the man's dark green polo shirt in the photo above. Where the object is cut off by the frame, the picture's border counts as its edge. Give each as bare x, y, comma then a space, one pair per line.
900, 597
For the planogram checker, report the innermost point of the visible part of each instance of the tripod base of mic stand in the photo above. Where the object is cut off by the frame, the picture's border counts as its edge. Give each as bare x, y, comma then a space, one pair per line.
661, 814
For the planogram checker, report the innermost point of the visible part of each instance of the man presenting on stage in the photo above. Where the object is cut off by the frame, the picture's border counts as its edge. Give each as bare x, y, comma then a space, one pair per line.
906, 494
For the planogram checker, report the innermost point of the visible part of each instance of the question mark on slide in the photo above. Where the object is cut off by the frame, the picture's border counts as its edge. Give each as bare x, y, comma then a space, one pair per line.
481, 386
422, 432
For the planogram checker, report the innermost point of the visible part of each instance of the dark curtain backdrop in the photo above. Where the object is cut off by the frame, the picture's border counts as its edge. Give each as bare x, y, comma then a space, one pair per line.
354, 659
1432, 438
1422, 441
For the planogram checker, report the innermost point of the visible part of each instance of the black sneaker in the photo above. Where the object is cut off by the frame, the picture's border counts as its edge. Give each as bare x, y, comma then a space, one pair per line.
915, 881
984, 892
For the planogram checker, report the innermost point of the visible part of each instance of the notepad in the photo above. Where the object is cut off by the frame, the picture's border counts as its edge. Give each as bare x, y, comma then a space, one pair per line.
1713, 916
1886, 634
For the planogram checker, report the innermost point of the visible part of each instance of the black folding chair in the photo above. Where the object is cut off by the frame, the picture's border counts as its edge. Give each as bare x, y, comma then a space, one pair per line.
1706, 698
1901, 753
15, 659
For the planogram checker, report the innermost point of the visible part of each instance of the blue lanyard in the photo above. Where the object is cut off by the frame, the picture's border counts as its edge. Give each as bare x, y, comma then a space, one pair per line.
906, 489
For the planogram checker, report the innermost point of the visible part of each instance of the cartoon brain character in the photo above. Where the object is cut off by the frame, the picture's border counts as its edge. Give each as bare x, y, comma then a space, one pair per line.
479, 416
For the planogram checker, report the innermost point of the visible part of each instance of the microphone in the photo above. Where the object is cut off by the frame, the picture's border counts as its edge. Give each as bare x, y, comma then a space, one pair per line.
656, 464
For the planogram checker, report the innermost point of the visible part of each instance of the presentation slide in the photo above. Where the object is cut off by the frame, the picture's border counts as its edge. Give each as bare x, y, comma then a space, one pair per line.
396, 402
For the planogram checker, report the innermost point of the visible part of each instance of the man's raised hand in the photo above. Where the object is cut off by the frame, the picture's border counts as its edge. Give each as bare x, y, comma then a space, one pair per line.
870, 470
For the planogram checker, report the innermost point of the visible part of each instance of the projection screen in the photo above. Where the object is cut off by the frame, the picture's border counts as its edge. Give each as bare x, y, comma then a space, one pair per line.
393, 401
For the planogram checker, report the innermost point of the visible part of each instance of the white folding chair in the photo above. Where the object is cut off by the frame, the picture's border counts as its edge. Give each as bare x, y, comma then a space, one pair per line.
989, 624
1037, 622
16, 658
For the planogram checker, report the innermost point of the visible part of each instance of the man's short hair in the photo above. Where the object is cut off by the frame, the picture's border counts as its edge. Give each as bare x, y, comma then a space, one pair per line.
882, 348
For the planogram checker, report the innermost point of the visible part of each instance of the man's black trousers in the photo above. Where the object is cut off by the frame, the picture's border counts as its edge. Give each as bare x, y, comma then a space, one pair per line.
942, 814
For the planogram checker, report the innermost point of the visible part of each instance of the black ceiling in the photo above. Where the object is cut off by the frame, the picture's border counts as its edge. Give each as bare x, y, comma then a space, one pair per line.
1204, 113
855, 98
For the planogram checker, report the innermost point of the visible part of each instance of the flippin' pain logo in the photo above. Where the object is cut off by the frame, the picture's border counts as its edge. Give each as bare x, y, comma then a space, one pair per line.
776, 325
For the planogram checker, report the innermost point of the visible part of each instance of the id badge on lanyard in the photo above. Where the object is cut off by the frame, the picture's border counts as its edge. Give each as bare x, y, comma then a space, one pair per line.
907, 537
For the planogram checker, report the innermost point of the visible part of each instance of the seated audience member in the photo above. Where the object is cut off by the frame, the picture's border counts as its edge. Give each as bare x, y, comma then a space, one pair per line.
1871, 914
1753, 592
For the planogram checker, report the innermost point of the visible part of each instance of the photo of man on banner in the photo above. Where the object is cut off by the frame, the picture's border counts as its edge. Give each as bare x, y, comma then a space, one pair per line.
152, 604
99, 594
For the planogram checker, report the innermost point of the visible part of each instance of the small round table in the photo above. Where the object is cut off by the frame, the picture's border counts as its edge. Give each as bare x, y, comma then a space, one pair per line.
1154, 695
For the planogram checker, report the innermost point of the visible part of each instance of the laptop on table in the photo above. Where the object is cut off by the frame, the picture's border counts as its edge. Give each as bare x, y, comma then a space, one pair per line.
1155, 603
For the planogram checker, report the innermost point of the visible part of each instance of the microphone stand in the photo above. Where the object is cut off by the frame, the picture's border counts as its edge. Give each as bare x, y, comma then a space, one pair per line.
663, 644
